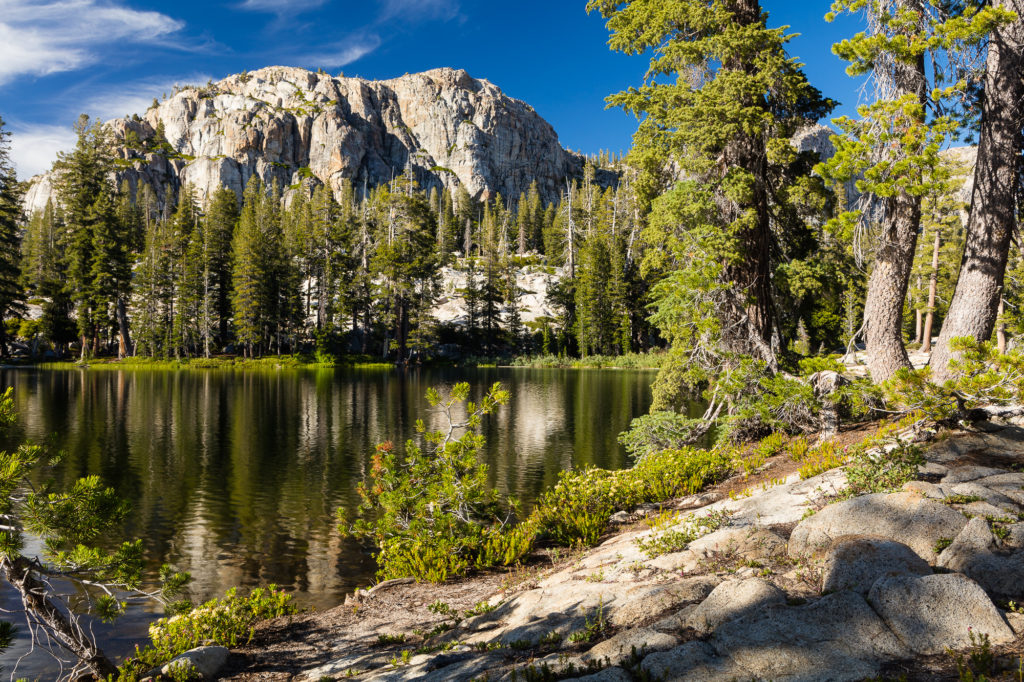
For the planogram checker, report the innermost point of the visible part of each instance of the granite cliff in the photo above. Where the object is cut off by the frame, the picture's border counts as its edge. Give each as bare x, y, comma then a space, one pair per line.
291, 125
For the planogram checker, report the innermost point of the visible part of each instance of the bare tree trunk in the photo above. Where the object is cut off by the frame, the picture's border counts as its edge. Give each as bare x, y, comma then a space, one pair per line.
975, 304
933, 285
1001, 329
124, 331
887, 289
918, 319
18, 573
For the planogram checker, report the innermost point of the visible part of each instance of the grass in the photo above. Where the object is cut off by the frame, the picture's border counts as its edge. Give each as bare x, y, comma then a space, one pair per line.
227, 362
652, 360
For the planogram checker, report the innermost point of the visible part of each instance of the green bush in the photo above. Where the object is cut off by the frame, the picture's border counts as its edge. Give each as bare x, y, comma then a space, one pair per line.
429, 509
882, 469
226, 622
661, 430
576, 511
980, 376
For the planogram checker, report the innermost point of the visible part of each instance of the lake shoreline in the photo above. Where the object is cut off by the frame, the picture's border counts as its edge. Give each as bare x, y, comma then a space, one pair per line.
637, 361
645, 618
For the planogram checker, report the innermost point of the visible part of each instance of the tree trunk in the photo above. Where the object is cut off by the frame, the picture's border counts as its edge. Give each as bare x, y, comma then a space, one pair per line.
933, 286
1000, 329
918, 319
887, 289
975, 304
124, 338
18, 573
894, 259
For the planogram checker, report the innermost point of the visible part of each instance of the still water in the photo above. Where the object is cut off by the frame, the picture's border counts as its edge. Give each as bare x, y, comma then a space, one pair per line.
235, 476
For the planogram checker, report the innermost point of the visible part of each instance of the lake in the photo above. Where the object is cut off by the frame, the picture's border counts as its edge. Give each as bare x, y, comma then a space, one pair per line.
235, 476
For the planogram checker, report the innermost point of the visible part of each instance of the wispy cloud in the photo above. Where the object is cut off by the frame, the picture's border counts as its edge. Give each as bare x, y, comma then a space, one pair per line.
40, 38
341, 54
34, 147
281, 7
133, 97
416, 10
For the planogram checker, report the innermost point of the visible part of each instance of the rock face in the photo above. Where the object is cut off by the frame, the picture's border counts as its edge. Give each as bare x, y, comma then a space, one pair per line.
855, 562
932, 612
904, 517
289, 125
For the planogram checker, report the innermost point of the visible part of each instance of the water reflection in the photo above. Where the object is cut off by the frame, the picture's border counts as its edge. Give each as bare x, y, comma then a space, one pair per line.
234, 476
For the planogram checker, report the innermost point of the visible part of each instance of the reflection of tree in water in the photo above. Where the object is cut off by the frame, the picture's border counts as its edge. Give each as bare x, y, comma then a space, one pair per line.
234, 476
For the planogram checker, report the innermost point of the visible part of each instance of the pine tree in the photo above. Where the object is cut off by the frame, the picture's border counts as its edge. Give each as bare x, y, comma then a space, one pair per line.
10, 239
81, 179
996, 191
110, 269
249, 265
406, 260
891, 151
218, 229
719, 103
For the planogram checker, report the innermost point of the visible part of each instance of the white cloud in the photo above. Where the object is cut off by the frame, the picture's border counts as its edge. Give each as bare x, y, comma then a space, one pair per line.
281, 7
333, 56
40, 38
420, 9
34, 147
133, 97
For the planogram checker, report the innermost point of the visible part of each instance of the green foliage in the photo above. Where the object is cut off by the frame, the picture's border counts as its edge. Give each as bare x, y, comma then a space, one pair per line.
676, 534
78, 526
821, 458
661, 430
882, 468
576, 510
433, 514
979, 376
980, 661
11, 292
226, 622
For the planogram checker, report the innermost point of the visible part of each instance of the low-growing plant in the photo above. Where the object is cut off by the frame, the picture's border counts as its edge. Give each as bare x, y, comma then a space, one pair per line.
980, 661
387, 638
882, 469
577, 509
479, 609
666, 540
592, 627
798, 448
430, 511
820, 459
227, 622
771, 445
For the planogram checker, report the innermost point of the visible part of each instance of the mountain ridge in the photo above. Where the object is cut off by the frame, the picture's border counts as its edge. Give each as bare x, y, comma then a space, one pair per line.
292, 126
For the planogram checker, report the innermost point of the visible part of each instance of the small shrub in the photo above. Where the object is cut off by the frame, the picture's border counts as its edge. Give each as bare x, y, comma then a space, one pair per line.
771, 445
882, 469
798, 448
433, 515
980, 661
659, 431
386, 638
577, 509
820, 459
675, 539
227, 622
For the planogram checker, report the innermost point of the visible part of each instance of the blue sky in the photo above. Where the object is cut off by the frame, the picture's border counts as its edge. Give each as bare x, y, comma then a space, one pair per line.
109, 58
